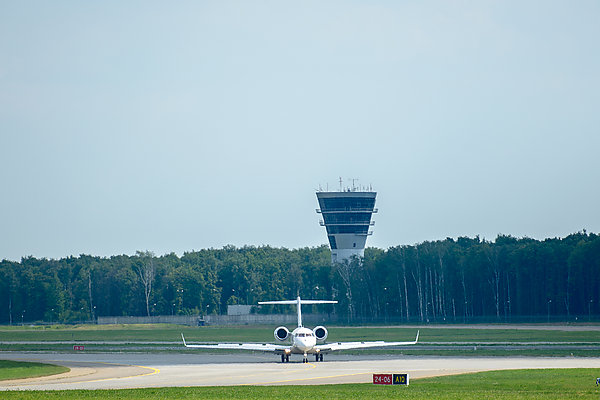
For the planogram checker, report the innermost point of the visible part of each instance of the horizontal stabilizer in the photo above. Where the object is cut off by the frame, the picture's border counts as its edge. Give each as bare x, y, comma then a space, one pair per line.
298, 302
301, 302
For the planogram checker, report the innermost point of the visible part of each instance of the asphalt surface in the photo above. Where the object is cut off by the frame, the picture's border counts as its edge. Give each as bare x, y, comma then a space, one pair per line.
136, 370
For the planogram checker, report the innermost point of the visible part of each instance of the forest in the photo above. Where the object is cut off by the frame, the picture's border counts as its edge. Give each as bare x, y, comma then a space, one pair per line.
452, 280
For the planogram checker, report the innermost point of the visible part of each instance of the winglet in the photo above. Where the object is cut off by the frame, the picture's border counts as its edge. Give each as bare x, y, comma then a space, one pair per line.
416, 340
182, 338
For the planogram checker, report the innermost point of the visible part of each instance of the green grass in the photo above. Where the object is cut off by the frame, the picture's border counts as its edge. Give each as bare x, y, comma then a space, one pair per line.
465, 335
20, 370
510, 385
265, 333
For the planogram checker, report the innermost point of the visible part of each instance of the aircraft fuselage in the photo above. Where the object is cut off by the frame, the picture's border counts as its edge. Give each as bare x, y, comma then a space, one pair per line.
303, 341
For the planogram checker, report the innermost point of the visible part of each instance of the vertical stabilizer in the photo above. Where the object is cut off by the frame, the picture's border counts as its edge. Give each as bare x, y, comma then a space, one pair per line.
299, 305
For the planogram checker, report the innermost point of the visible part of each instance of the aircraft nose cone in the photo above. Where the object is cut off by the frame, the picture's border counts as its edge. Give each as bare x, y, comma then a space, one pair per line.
302, 346
305, 344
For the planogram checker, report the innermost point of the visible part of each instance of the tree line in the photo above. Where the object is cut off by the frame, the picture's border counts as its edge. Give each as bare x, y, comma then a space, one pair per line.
451, 280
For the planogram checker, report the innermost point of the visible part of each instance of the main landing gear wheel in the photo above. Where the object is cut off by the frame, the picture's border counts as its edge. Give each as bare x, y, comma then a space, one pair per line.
287, 358
282, 358
321, 357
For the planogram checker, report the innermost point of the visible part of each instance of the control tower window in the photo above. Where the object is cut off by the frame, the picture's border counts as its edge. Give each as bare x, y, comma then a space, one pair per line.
332, 242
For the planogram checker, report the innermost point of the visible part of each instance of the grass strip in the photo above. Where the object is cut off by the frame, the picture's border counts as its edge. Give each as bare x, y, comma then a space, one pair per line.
20, 370
265, 334
503, 385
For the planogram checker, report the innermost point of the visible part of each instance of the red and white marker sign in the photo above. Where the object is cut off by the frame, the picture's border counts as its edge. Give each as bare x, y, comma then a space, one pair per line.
382, 379
390, 379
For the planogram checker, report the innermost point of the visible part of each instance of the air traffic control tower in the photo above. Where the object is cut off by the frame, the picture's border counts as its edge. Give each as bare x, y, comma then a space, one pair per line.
347, 218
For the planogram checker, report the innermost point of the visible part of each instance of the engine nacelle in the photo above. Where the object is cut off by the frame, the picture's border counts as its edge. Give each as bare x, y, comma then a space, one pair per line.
320, 333
281, 333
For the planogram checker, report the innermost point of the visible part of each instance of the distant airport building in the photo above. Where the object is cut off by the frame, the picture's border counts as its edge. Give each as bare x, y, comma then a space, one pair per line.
347, 219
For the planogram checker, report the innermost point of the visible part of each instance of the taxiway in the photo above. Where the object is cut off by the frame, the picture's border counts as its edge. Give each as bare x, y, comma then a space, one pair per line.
136, 370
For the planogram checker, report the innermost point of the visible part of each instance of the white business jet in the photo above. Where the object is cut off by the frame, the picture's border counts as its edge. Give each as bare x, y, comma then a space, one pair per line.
303, 340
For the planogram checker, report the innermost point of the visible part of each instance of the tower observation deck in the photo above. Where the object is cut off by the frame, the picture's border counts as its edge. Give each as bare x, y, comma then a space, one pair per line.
347, 218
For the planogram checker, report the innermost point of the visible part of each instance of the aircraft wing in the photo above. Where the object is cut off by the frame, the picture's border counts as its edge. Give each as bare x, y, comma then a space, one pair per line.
361, 345
266, 347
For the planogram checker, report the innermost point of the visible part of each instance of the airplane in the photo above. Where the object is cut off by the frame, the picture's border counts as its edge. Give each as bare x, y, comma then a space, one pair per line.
302, 340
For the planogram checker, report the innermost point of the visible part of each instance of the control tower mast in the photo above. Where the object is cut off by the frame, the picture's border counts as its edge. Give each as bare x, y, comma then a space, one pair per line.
347, 219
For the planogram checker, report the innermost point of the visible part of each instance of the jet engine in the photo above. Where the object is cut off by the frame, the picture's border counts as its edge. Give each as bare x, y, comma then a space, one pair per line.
281, 333
320, 333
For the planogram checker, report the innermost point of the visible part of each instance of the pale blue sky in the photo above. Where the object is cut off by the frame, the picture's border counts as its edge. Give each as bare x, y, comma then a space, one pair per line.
173, 126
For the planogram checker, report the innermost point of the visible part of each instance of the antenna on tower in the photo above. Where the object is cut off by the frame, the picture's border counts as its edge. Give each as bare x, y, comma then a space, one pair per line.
341, 182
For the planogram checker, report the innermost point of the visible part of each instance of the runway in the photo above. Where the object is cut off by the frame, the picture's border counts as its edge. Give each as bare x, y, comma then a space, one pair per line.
123, 370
